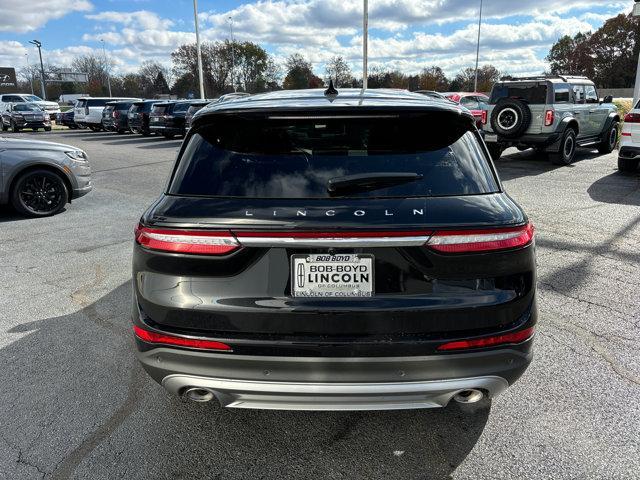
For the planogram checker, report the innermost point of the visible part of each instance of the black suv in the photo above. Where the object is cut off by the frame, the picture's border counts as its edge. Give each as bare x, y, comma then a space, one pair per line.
195, 106
114, 116
316, 250
138, 116
168, 118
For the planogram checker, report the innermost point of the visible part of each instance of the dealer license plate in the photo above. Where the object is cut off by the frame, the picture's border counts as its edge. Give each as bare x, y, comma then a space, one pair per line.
332, 276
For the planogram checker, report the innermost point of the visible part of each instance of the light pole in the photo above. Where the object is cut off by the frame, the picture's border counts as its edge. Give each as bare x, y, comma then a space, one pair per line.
195, 17
636, 90
39, 45
29, 73
233, 58
106, 67
365, 46
475, 83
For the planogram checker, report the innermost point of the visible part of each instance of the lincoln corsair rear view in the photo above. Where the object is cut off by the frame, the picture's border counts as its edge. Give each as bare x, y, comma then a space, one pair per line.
323, 250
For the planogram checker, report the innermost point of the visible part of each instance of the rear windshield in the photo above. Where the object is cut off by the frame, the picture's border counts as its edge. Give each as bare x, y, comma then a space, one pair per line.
93, 102
160, 109
81, 103
299, 158
180, 107
141, 107
122, 106
531, 93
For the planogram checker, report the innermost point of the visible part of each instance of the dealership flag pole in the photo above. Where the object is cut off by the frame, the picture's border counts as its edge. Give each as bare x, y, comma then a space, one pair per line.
475, 83
104, 53
365, 46
200, 76
29, 73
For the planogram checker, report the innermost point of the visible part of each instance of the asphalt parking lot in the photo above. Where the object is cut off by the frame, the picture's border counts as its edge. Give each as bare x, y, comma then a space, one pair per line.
75, 404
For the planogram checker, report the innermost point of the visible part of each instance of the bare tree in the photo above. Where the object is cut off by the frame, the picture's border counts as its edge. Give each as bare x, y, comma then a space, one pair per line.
338, 70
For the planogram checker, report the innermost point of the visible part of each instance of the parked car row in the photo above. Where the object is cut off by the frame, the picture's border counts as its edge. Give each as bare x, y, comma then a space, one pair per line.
168, 118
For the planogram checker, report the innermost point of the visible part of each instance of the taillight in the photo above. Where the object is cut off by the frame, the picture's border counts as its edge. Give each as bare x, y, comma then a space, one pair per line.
115, 114
464, 241
165, 339
196, 242
496, 340
549, 117
484, 117
632, 118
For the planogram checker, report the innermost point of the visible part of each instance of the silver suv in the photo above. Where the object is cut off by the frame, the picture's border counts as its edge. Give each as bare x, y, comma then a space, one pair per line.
553, 114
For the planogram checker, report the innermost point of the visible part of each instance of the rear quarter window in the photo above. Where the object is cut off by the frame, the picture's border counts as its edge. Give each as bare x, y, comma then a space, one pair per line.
296, 158
561, 93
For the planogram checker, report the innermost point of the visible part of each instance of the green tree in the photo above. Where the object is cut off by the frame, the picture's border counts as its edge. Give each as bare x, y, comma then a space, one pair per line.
433, 78
572, 55
300, 74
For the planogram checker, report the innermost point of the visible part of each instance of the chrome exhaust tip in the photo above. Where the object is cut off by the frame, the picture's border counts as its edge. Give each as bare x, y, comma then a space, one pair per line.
468, 396
198, 394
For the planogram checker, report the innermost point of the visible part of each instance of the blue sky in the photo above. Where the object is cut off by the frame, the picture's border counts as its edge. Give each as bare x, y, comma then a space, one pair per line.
404, 34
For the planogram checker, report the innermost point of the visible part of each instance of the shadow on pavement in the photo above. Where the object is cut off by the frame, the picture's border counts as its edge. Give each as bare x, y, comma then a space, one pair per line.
8, 214
616, 188
530, 163
75, 403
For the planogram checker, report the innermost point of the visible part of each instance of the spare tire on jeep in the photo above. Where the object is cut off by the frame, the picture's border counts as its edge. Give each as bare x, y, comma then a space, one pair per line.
510, 117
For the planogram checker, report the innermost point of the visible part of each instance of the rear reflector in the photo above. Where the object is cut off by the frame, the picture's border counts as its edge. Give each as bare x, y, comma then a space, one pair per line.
509, 338
481, 240
195, 242
626, 134
164, 339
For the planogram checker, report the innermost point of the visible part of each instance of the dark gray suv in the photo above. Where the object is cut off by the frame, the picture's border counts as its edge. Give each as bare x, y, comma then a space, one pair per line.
553, 114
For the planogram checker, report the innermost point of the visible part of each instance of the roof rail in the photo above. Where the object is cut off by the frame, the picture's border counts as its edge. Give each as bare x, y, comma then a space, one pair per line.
546, 77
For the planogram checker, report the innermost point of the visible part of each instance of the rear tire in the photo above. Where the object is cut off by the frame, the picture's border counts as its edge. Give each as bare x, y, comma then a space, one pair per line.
567, 151
627, 165
47, 129
14, 127
39, 193
495, 150
609, 140
4, 127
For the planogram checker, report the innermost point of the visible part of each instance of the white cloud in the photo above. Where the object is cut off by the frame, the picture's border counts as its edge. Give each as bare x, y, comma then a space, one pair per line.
26, 16
142, 19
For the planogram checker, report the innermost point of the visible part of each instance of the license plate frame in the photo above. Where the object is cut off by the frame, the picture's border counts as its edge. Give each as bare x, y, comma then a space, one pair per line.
359, 264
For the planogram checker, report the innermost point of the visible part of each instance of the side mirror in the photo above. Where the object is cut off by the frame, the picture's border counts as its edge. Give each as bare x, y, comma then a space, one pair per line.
608, 99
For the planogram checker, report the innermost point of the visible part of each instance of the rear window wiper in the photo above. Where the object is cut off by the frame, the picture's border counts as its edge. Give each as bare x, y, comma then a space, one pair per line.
370, 181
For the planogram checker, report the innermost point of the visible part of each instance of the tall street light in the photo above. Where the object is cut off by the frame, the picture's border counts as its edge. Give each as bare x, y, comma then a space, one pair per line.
106, 66
365, 46
42, 83
475, 83
233, 58
195, 16
29, 73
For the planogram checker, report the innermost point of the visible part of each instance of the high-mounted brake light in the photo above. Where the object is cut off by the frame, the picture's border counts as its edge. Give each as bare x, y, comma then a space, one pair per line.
464, 241
549, 117
506, 339
632, 118
197, 242
165, 339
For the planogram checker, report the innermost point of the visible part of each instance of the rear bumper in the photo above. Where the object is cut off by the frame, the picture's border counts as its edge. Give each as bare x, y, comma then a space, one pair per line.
535, 140
627, 151
352, 383
164, 130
